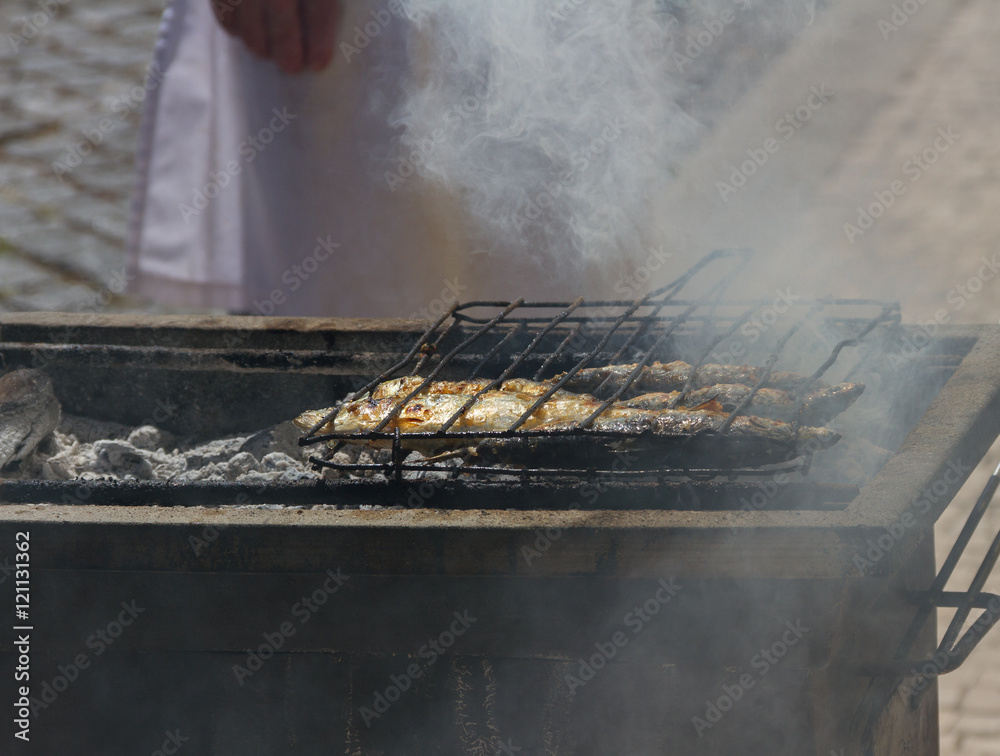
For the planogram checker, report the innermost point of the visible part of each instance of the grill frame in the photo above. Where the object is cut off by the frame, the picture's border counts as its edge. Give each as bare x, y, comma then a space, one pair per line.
656, 317
959, 424
113, 550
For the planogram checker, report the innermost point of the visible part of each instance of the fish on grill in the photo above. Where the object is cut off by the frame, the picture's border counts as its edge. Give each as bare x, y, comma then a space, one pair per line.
661, 438
652, 428
672, 376
818, 406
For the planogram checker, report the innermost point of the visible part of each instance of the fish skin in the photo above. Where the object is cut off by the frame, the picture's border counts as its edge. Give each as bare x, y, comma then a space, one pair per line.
497, 410
657, 423
818, 407
672, 376
428, 411
400, 387
692, 438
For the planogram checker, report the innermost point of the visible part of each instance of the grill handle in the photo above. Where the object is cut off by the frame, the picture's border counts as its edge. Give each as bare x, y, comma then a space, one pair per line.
952, 651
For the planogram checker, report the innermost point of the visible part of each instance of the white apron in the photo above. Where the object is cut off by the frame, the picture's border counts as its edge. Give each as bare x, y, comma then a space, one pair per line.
267, 193
263, 192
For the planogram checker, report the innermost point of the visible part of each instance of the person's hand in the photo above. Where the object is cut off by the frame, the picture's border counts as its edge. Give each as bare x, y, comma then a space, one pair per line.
295, 34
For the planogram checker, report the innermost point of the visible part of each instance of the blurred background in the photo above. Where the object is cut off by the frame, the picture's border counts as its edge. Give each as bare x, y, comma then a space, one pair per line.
71, 95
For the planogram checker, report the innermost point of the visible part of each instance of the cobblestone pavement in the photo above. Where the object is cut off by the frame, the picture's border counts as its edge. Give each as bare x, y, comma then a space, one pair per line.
68, 120
67, 77
935, 238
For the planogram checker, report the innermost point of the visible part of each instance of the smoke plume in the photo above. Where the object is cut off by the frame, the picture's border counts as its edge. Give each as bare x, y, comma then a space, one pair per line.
554, 121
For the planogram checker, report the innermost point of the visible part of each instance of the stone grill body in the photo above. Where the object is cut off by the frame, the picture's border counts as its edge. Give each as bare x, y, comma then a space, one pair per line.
496, 616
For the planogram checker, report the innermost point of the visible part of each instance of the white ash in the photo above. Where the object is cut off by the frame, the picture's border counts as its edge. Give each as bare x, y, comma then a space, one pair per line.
86, 449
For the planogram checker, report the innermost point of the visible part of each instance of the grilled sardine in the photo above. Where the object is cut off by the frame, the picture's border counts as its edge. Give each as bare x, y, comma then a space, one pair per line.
646, 419
672, 376
495, 410
660, 439
818, 407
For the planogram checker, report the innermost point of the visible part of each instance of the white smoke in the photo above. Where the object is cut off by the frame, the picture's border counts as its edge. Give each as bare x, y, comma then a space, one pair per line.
555, 121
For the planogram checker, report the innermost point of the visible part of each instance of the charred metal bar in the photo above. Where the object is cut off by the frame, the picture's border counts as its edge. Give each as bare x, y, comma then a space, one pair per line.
636, 371
429, 351
572, 473
515, 364
398, 366
501, 343
717, 291
433, 374
689, 383
623, 492
718, 254
768, 366
936, 591
579, 365
850, 342
800, 395
406, 360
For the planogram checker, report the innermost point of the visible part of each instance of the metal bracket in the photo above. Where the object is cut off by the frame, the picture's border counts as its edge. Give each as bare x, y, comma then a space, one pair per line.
953, 651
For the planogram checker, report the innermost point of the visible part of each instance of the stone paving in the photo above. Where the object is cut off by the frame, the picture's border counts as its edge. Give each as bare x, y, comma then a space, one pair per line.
68, 120
69, 68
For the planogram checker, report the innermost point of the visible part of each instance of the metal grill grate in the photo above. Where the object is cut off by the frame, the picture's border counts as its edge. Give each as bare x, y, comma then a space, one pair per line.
542, 339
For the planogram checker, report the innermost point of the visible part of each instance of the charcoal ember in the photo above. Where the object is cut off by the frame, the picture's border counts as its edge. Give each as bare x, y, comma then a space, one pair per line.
241, 464
56, 469
150, 438
214, 453
123, 460
278, 462
282, 438
344, 457
29, 412
212, 471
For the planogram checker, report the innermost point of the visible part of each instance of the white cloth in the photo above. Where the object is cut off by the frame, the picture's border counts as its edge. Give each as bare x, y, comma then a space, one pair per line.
265, 192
